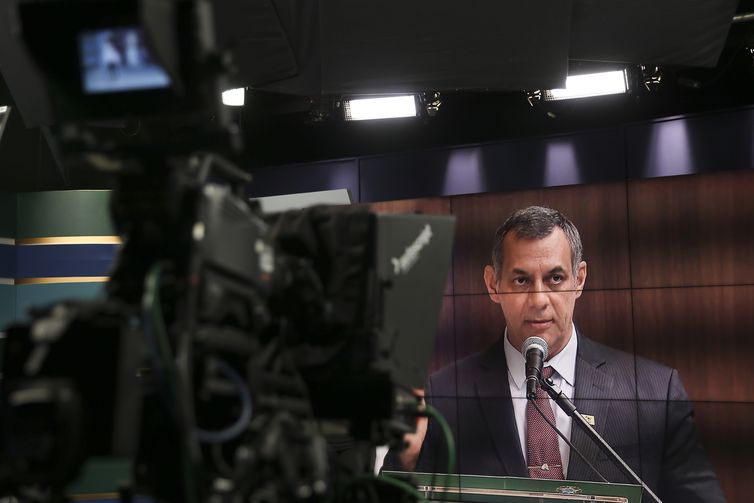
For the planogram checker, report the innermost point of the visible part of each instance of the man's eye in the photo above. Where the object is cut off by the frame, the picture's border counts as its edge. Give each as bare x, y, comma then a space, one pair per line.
556, 278
519, 281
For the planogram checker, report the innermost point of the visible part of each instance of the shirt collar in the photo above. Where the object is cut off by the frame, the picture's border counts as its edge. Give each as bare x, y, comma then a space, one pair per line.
564, 362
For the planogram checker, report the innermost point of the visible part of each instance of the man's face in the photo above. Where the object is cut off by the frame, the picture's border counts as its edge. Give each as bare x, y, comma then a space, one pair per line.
537, 288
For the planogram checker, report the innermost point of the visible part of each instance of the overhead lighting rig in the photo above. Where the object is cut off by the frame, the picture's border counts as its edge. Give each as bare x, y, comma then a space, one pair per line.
582, 85
432, 102
374, 107
651, 76
586, 85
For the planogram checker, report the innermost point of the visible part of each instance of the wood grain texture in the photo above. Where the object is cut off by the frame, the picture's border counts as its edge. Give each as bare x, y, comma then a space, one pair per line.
605, 316
430, 206
479, 323
692, 230
705, 333
599, 211
445, 344
727, 433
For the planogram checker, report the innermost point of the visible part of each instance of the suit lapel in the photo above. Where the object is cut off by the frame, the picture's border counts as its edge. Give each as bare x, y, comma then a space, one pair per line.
493, 392
592, 397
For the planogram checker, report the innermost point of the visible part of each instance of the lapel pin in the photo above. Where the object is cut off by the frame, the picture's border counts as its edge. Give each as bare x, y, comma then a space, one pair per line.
589, 419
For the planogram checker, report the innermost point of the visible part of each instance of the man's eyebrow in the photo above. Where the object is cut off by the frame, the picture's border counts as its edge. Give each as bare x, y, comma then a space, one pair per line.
554, 270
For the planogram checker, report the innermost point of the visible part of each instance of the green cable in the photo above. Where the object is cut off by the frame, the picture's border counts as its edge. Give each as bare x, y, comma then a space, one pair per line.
449, 440
151, 305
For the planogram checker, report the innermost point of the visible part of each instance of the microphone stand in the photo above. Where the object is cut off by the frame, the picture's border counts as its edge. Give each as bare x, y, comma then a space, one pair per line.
569, 408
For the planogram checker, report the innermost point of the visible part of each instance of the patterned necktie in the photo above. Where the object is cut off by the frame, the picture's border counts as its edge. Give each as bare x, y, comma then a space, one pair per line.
543, 453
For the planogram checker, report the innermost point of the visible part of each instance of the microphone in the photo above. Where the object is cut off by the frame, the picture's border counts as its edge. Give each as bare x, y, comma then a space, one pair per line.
535, 351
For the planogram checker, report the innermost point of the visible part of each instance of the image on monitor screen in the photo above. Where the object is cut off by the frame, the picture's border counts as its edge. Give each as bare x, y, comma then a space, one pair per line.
118, 60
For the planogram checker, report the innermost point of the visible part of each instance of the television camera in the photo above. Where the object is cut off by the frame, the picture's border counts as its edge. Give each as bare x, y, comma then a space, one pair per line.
234, 353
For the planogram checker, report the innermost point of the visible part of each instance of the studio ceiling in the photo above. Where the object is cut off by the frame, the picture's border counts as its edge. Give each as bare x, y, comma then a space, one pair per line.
295, 55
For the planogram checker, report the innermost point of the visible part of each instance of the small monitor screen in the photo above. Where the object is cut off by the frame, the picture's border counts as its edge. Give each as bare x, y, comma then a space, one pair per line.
118, 60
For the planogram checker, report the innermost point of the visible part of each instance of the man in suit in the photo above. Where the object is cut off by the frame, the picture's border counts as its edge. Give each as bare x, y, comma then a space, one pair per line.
638, 406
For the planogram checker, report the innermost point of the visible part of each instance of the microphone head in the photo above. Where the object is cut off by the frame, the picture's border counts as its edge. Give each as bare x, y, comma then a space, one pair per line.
535, 342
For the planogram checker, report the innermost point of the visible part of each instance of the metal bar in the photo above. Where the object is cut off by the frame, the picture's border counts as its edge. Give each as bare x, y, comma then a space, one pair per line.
743, 18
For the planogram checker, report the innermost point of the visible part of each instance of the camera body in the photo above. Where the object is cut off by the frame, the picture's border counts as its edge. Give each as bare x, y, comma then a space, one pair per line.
231, 346
124, 76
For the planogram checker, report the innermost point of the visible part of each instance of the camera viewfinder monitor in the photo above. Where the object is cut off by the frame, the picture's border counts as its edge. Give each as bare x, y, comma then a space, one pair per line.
118, 59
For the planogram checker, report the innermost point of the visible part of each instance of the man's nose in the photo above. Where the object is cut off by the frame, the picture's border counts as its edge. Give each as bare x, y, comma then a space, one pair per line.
538, 297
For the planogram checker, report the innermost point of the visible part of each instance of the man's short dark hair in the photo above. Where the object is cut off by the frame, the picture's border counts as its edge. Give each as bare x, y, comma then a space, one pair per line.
536, 222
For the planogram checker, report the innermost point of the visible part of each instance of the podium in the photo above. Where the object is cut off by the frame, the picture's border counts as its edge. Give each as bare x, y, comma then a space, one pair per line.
488, 489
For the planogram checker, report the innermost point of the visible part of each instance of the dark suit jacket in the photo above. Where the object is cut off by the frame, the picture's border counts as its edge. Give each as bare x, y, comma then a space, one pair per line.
640, 408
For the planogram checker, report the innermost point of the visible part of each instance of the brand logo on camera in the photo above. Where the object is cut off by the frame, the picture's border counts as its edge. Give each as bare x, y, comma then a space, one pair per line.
406, 261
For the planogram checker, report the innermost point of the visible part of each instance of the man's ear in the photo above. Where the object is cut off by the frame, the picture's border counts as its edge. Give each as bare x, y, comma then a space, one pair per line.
490, 282
580, 278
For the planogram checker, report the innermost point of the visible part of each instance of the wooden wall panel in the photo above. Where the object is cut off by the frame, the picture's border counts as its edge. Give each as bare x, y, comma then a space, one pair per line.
430, 206
599, 211
478, 218
692, 230
605, 316
445, 344
704, 332
479, 323
727, 433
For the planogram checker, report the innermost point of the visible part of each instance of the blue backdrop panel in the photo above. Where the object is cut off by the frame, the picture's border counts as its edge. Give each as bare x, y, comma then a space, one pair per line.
314, 177
7, 261
40, 261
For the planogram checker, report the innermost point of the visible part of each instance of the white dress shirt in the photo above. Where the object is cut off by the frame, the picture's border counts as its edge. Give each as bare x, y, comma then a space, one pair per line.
564, 376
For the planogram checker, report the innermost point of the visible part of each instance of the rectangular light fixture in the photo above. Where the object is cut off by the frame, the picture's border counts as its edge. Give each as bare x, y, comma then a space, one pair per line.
380, 107
4, 113
591, 84
234, 97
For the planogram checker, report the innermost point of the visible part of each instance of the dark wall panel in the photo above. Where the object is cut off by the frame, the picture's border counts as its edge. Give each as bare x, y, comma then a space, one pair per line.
692, 230
691, 145
294, 178
415, 174
591, 157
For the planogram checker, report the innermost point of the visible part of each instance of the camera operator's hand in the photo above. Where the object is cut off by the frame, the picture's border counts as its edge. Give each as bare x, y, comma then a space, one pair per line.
410, 455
